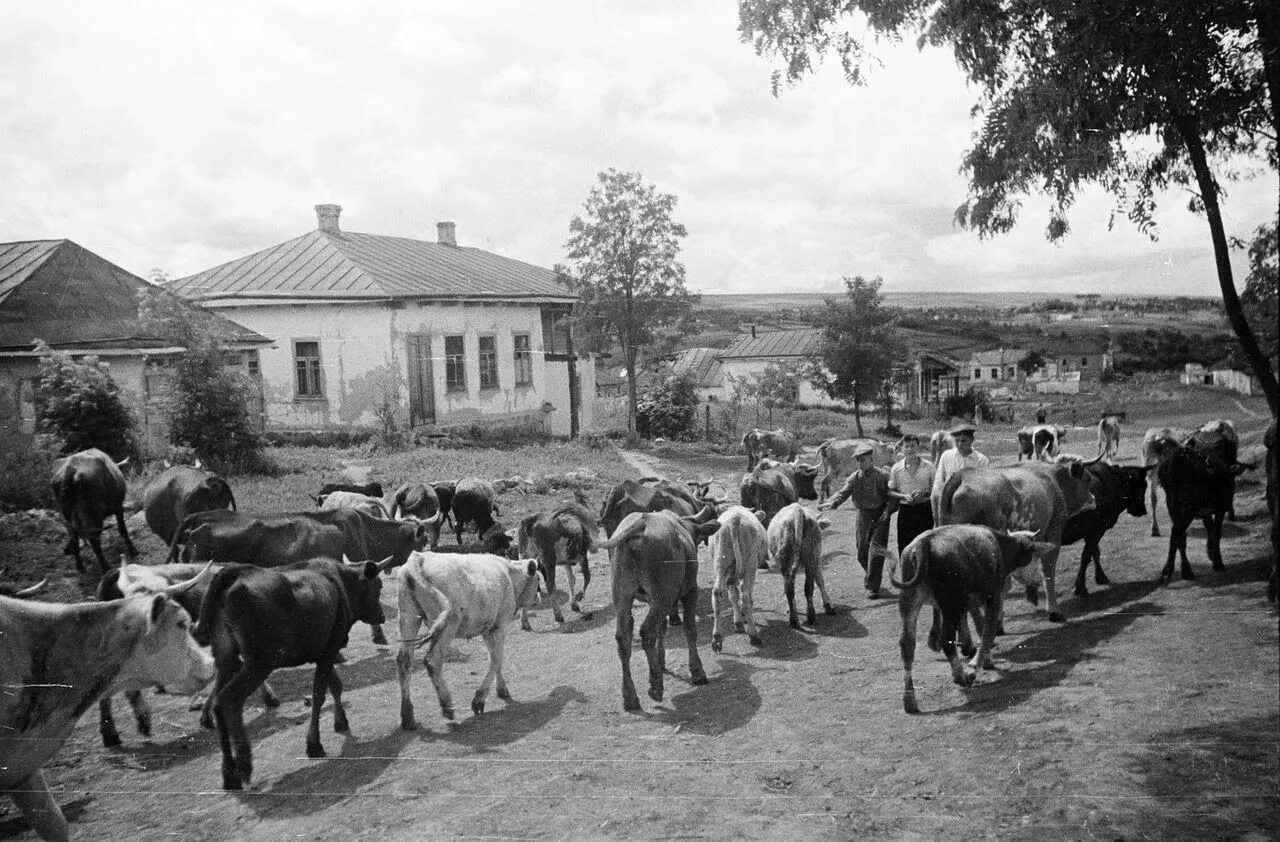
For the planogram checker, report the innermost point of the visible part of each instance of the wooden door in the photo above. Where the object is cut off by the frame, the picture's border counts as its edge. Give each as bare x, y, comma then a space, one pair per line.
422, 404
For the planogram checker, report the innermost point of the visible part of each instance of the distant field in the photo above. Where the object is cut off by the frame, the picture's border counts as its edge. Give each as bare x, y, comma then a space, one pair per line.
977, 300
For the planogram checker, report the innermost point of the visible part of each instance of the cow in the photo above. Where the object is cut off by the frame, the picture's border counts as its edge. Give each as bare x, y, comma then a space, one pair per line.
631, 496
369, 489
654, 556
1039, 441
836, 458
458, 596
1273, 506
264, 540
474, 502
1116, 489
777, 444
180, 490
260, 620
184, 583
1198, 481
737, 549
88, 486
795, 543
372, 506
954, 568
1220, 436
1109, 435
563, 537
417, 500
1038, 496
57, 661
939, 443
773, 485
1154, 442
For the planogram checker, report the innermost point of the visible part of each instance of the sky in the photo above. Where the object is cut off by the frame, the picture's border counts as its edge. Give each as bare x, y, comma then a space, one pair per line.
178, 136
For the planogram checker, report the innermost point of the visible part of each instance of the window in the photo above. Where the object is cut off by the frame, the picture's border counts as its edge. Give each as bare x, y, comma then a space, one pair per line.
523, 360
306, 366
1084, 362
977, 374
455, 365
488, 362
995, 374
1010, 372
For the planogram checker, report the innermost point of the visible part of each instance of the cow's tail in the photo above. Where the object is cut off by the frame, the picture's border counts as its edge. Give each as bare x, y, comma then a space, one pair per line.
438, 624
209, 606
230, 496
633, 530
183, 531
948, 497
918, 553
68, 488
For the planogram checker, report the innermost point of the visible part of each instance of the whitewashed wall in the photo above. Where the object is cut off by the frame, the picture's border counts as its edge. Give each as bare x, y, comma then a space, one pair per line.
739, 369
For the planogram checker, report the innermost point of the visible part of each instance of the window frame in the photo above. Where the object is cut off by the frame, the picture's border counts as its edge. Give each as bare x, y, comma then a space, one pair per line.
488, 360
308, 368
522, 358
455, 364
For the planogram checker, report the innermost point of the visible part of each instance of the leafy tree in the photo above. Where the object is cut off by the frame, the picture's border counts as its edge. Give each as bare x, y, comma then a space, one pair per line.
1029, 364
1135, 97
79, 406
630, 285
208, 403
778, 387
858, 346
1262, 288
668, 408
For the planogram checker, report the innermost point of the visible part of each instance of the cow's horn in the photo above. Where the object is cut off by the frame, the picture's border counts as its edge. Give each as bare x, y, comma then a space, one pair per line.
33, 590
385, 564
176, 590
122, 462
122, 580
1092, 461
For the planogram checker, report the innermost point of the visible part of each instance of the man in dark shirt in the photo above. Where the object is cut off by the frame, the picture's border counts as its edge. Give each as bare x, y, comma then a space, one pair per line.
868, 487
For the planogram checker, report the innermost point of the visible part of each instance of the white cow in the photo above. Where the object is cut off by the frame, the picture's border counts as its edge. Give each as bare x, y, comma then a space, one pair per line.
1109, 435
372, 506
458, 595
56, 661
737, 549
795, 542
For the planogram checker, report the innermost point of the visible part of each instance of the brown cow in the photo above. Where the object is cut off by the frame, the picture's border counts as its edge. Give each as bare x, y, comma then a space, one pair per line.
180, 491
655, 559
956, 568
776, 444
561, 538
88, 487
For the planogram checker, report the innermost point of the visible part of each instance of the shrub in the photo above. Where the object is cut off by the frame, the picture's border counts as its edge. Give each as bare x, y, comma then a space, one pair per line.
971, 403
667, 409
79, 406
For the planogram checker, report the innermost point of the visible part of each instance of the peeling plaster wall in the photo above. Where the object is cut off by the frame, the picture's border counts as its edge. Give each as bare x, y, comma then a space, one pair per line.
363, 357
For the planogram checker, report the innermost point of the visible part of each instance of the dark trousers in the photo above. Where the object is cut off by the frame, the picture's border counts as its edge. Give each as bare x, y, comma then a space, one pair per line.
912, 520
872, 536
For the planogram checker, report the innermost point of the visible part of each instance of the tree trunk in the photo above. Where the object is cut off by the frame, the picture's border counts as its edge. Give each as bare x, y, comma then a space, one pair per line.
1268, 17
1222, 257
633, 401
857, 412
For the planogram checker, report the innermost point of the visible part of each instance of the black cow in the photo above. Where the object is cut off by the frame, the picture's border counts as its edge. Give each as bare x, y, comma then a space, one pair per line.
368, 489
260, 620
414, 499
1197, 483
88, 486
180, 491
474, 502
630, 496
773, 485
264, 540
1115, 490
563, 537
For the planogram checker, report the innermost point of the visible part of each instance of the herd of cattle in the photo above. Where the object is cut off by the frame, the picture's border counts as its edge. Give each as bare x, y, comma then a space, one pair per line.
269, 591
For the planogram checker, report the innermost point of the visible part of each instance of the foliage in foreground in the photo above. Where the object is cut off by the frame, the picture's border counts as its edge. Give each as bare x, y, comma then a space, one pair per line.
79, 406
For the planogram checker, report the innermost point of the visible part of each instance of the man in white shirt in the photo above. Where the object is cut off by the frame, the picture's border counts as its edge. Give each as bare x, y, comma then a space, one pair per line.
910, 485
955, 460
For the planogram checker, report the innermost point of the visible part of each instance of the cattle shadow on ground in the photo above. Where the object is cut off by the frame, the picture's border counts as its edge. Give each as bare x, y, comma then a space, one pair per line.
294, 683
503, 722
1210, 779
1056, 651
321, 784
592, 617
72, 811
1101, 598
728, 701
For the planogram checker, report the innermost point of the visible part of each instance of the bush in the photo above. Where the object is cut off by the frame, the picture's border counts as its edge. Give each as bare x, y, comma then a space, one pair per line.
972, 403
24, 476
667, 409
78, 406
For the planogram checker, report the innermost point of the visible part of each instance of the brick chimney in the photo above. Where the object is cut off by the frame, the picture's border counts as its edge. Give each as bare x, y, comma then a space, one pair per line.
446, 234
327, 218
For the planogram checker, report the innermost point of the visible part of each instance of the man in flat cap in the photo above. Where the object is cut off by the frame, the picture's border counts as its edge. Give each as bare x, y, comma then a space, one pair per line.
955, 460
868, 487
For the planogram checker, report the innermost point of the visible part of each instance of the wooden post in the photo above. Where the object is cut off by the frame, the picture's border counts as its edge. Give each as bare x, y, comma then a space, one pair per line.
707, 414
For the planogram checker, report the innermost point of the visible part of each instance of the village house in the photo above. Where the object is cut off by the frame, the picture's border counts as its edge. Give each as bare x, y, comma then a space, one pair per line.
430, 333
996, 367
1220, 375
80, 303
749, 356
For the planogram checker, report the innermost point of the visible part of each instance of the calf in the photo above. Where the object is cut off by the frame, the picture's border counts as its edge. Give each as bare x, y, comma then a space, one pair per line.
179, 491
1196, 483
564, 537
88, 486
1115, 490
1109, 435
186, 584
458, 595
260, 620
737, 549
655, 559
955, 568
56, 661
795, 542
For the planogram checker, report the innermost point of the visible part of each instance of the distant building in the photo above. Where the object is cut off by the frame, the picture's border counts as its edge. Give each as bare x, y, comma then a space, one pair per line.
749, 356
996, 367
704, 369
84, 305
1220, 375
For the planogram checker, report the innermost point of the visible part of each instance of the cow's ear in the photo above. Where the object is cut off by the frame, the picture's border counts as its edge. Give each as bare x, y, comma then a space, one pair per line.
760, 514
1077, 470
158, 605
706, 530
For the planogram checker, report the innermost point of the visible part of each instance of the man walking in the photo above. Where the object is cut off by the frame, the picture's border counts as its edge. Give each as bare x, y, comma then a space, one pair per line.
955, 460
868, 487
910, 486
